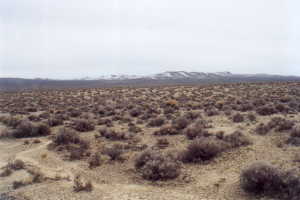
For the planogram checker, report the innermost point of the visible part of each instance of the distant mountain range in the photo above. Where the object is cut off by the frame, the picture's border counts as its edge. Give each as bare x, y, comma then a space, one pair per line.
165, 78
178, 75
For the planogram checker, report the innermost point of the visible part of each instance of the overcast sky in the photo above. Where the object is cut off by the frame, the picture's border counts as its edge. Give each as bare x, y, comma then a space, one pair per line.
76, 38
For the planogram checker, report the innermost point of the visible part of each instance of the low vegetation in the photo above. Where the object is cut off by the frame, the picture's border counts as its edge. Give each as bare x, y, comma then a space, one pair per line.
187, 138
154, 165
263, 178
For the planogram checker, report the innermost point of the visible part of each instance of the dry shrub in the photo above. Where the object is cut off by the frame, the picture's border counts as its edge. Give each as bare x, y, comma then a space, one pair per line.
162, 143
294, 138
195, 131
296, 131
202, 123
12, 166
6, 133
67, 136
261, 178
220, 105
26, 142
36, 176
280, 124
202, 150
95, 160
74, 113
44, 115
76, 152
24, 129
262, 129
154, 166
27, 129
55, 121
107, 122
291, 189
135, 112
159, 121
168, 110
220, 135
114, 135
43, 130
180, 123
19, 184
83, 125
34, 118
251, 117
285, 99
6, 172
16, 165
81, 185
10, 121
139, 121
245, 107
69, 140
166, 130
7, 196
126, 120
238, 117
134, 129
266, 110
228, 112
117, 117
115, 152
192, 115
211, 112
285, 125
31, 109
282, 108
237, 139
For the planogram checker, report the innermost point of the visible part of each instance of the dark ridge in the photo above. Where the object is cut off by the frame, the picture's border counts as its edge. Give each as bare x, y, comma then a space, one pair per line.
15, 84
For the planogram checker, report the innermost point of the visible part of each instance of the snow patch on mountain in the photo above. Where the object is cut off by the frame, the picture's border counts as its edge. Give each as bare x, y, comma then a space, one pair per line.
175, 75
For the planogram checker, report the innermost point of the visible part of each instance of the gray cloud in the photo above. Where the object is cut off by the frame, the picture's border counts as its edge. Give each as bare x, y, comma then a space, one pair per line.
73, 38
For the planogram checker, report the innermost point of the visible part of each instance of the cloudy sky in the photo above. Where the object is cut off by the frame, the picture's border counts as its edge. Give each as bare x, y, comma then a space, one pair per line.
76, 38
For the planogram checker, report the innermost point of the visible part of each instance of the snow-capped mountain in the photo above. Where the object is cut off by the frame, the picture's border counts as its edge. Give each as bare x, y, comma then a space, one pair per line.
179, 75
168, 75
165, 78
187, 75
113, 77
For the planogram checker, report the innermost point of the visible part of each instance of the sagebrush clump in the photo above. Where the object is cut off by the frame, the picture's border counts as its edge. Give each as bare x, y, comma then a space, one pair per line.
114, 152
83, 125
263, 178
166, 130
202, 150
237, 139
180, 123
69, 140
238, 117
154, 166
80, 185
159, 121
294, 138
27, 129
260, 178
195, 131
114, 135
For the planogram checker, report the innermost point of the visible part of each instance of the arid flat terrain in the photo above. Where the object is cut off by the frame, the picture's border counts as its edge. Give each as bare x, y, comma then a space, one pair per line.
162, 143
